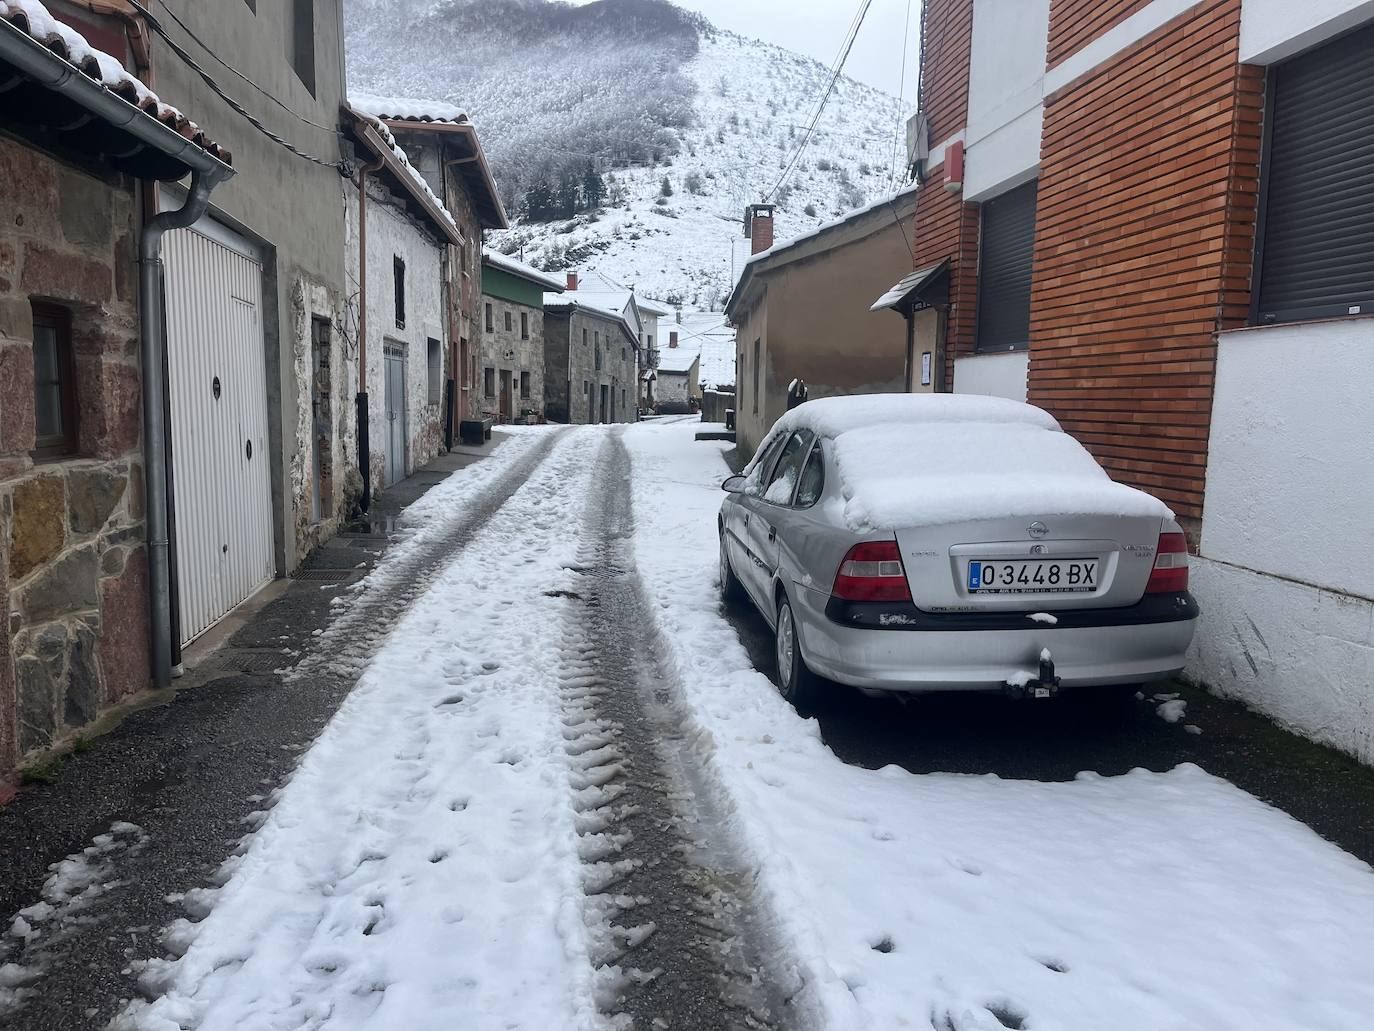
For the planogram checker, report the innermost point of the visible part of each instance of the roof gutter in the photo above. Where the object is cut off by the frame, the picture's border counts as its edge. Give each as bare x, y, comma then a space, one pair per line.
48, 69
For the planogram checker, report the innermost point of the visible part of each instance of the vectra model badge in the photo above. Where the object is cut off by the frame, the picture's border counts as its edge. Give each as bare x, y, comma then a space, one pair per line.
1038, 530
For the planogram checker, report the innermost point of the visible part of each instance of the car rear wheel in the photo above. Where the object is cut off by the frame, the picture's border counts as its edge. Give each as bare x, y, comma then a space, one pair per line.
730, 587
796, 682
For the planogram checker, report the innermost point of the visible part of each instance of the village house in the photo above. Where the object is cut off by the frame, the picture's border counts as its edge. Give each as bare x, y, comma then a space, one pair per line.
677, 385
81, 155
442, 144
1188, 291
398, 234
801, 310
591, 361
512, 353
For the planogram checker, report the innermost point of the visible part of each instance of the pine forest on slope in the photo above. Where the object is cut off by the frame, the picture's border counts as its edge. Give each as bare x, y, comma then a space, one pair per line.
627, 136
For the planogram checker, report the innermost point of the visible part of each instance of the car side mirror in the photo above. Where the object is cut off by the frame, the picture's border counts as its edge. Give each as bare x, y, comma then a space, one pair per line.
734, 485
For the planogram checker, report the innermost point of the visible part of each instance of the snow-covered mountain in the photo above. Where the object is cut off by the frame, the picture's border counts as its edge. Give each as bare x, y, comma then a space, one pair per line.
675, 124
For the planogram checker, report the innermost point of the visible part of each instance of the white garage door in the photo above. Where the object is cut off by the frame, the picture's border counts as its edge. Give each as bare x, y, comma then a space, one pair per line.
217, 383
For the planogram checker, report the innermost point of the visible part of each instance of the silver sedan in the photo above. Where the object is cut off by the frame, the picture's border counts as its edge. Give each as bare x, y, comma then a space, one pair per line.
902, 543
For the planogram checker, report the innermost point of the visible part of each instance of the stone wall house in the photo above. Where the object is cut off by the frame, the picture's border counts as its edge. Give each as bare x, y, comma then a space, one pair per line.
404, 340
678, 383
591, 363
73, 555
511, 361
443, 146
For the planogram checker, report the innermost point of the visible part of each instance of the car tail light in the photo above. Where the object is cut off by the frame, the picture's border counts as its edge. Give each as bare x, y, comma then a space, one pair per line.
872, 572
1170, 574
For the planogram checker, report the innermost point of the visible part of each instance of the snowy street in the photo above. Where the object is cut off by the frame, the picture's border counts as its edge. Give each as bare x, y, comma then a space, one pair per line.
564, 793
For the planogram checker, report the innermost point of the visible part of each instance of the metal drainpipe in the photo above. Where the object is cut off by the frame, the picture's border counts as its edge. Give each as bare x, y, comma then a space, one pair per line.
151, 346
364, 444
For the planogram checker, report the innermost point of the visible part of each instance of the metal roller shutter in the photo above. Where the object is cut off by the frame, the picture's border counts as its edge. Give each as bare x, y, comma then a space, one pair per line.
1004, 270
1316, 258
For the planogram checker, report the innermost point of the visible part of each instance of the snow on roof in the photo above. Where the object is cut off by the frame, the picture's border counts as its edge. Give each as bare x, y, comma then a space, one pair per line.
651, 307
518, 268
408, 109
717, 362
971, 457
33, 18
825, 227
577, 299
399, 153
681, 358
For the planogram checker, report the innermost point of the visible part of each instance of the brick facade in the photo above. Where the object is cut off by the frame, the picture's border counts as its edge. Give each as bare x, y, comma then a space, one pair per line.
1142, 247
73, 568
1076, 23
947, 30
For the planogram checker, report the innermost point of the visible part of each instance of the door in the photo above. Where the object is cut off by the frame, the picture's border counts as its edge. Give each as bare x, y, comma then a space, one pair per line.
395, 415
217, 394
614, 388
740, 518
506, 404
605, 401
591, 405
769, 511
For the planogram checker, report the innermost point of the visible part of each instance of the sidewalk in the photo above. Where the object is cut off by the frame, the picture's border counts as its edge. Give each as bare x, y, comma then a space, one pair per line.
149, 810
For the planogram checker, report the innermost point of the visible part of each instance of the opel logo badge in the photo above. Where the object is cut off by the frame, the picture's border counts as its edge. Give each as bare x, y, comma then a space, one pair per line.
1038, 530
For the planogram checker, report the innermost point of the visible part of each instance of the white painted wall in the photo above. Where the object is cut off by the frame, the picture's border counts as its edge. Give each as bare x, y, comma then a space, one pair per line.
996, 375
1006, 94
392, 232
1302, 656
1271, 30
1286, 577
1290, 469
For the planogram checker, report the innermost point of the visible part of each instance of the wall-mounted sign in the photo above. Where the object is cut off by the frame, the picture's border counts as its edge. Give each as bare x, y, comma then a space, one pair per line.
925, 369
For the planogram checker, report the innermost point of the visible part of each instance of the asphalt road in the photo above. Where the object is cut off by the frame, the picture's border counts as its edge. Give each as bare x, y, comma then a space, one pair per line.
1053, 740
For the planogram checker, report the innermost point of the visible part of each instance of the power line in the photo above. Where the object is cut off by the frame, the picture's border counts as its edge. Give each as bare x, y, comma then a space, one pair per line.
825, 97
233, 104
901, 97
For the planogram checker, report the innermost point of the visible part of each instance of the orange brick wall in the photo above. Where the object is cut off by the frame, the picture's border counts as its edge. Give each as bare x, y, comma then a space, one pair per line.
1076, 23
1143, 235
947, 32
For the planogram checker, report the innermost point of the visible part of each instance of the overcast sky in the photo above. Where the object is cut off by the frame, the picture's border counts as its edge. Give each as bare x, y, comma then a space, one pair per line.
817, 28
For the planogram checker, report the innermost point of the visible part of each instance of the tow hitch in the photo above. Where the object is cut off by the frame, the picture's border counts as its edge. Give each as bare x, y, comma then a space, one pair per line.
1046, 686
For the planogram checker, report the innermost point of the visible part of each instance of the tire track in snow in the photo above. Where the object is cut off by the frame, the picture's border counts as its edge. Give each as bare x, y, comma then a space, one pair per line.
674, 935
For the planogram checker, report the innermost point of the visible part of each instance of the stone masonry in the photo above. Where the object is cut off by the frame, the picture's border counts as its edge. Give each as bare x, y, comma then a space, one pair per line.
73, 568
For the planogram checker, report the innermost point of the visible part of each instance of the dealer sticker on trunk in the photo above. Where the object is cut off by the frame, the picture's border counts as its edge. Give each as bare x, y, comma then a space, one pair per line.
1036, 576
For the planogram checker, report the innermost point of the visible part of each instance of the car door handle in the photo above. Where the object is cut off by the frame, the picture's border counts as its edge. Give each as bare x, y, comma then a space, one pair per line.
772, 533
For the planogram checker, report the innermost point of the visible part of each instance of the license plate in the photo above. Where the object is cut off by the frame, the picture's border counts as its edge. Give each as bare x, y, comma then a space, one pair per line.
1037, 576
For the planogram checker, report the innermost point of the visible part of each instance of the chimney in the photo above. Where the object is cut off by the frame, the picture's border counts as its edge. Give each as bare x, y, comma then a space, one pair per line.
572, 280
672, 339
758, 227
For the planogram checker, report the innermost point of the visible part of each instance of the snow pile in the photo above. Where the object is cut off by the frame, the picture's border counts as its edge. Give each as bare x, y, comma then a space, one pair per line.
966, 903
965, 458
420, 869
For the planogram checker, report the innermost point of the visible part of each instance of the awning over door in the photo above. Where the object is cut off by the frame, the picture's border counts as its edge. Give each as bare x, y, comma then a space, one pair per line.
922, 289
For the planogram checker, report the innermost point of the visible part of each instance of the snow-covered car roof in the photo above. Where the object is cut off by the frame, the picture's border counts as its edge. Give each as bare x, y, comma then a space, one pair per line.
922, 459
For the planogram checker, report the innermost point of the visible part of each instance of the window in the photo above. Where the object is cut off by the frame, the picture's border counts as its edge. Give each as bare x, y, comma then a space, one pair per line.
525, 386
622, 354
584, 336
301, 40
252, 5
812, 480
763, 464
491, 325
508, 321
622, 397
436, 371
1315, 245
598, 353
524, 325
489, 382
758, 346
784, 479
1004, 270
54, 383
586, 387
398, 272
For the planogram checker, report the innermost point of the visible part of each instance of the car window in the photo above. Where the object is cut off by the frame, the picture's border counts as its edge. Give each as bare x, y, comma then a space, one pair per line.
757, 478
812, 479
784, 478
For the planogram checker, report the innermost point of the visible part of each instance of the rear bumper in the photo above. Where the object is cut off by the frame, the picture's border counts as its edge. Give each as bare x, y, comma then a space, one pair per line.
899, 648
